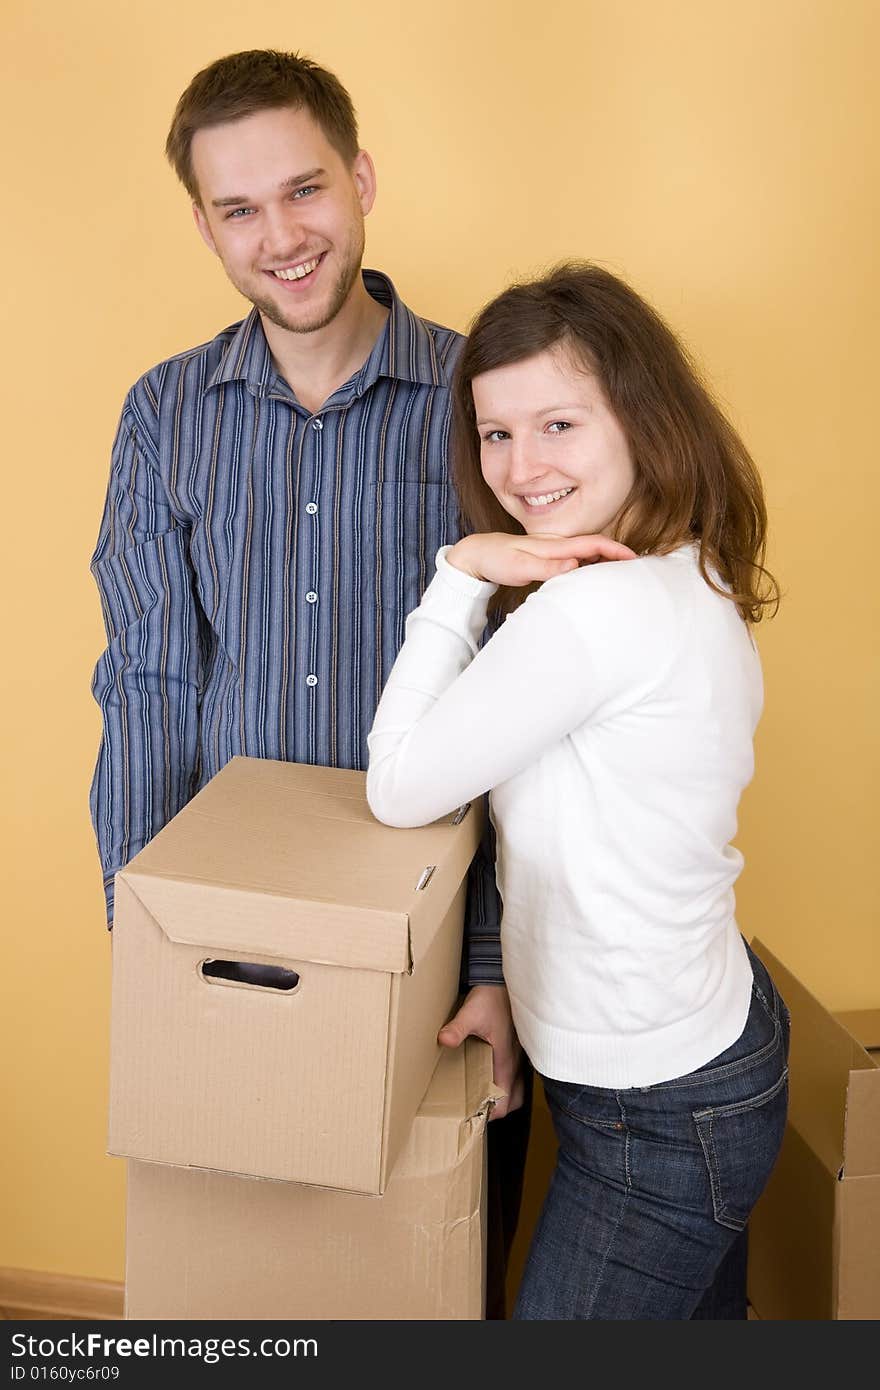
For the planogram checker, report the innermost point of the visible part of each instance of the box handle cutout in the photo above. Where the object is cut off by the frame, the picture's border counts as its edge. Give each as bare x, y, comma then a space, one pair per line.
425, 878
244, 972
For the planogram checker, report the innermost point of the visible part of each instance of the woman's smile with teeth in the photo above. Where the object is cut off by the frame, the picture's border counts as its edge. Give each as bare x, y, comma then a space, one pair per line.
297, 272
545, 498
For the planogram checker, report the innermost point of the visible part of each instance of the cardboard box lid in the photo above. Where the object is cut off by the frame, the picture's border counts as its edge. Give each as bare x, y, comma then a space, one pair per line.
286, 860
834, 1084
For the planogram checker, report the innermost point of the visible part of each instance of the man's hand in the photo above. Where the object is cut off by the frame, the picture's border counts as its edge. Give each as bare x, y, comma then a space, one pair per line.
518, 560
485, 1014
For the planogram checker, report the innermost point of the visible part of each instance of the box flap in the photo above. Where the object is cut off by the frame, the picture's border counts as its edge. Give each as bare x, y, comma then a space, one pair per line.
481, 1093
248, 924
862, 1142
864, 1024
462, 1084
453, 1112
790, 1236
823, 1053
285, 859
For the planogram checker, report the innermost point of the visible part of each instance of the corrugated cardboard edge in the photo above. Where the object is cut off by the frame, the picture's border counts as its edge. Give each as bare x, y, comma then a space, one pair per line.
481, 1092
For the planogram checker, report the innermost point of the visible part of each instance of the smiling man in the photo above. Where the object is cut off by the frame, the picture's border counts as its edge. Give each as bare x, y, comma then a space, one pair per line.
276, 499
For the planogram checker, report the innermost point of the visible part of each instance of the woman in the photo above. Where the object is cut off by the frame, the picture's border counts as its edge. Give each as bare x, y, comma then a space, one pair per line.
611, 715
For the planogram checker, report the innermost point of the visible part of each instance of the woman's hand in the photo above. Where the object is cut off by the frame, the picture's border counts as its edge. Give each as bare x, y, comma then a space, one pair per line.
517, 560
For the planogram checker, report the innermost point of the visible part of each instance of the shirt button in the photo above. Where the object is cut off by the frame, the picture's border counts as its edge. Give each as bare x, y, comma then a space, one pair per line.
311, 596
311, 680
311, 508
317, 423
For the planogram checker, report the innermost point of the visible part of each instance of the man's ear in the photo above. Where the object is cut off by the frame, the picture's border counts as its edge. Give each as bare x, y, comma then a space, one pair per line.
363, 172
201, 222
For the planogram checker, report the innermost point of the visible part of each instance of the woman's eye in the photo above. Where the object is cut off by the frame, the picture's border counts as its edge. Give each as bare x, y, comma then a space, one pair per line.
495, 436
558, 426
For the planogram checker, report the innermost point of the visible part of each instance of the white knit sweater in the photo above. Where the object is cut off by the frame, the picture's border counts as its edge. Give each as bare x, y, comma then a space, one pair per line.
612, 718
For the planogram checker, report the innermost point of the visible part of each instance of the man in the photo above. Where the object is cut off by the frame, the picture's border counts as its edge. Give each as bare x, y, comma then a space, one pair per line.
277, 496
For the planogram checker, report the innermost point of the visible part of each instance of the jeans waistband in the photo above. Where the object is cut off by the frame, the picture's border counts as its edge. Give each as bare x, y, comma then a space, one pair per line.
763, 982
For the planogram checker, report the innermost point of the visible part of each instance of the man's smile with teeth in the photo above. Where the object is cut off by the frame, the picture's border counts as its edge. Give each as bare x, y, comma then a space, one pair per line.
544, 498
297, 272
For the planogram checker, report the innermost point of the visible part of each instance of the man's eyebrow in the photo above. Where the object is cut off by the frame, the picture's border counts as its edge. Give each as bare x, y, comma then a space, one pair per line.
295, 181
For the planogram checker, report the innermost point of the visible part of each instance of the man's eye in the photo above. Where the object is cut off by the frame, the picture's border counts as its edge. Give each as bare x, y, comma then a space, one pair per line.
308, 188
495, 436
558, 426
238, 212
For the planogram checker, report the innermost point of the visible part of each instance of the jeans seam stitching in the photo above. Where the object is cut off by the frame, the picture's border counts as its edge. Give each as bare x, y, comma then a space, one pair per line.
736, 1068
627, 1173
718, 1206
606, 1252
609, 1125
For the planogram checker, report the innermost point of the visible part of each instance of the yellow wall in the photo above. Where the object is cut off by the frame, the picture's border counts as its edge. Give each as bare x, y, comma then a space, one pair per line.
722, 154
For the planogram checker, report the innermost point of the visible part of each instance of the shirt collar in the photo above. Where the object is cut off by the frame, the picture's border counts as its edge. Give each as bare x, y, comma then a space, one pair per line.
405, 349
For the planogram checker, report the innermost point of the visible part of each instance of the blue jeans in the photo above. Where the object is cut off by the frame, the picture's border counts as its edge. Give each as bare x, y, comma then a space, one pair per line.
654, 1185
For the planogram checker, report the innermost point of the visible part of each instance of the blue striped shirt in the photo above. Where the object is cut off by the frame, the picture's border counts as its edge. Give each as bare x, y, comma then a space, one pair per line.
256, 565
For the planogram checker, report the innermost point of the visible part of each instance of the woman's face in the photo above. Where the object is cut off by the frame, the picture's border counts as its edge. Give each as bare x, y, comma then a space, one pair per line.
551, 449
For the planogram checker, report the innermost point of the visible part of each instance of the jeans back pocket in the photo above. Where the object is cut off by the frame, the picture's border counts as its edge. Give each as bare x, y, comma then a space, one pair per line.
741, 1143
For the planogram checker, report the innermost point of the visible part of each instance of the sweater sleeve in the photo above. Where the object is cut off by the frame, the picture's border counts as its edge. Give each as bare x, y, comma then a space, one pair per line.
455, 721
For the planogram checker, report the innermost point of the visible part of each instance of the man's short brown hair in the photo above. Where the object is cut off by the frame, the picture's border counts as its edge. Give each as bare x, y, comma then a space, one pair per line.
260, 79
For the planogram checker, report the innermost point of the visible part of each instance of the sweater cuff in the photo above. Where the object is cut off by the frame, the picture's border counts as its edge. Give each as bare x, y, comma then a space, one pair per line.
460, 582
456, 601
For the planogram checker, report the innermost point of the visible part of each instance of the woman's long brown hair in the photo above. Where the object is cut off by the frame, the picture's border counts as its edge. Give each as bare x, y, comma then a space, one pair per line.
695, 479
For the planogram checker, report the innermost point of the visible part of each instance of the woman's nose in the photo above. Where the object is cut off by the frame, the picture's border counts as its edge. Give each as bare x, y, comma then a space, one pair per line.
524, 462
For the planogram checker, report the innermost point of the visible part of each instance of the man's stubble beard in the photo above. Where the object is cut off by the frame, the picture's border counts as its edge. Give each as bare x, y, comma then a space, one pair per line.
347, 278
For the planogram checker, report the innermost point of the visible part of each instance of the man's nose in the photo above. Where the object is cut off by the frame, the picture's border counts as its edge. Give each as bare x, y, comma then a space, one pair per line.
283, 234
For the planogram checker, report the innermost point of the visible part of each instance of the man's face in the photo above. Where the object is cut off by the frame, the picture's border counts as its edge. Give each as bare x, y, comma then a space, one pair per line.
284, 212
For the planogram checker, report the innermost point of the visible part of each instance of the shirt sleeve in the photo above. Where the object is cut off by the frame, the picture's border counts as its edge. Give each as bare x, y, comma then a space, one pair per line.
148, 680
481, 958
453, 722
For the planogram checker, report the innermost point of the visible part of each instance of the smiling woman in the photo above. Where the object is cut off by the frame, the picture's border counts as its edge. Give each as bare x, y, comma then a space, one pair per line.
551, 449
655, 459
611, 718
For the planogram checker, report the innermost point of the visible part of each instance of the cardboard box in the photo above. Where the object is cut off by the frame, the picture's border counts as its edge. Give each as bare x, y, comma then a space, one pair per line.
209, 1246
282, 865
814, 1237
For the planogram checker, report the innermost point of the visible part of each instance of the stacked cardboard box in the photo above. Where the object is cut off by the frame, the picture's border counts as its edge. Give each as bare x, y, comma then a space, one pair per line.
814, 1237
210, 1245
281, 966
